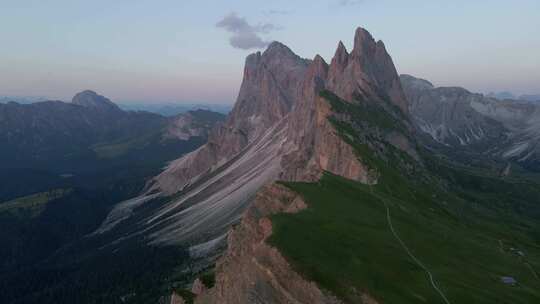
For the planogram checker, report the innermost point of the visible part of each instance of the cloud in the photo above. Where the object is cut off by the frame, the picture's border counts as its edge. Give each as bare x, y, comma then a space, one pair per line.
245, 36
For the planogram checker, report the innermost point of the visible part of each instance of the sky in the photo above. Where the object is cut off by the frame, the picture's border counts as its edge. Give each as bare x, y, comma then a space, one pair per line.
194, 51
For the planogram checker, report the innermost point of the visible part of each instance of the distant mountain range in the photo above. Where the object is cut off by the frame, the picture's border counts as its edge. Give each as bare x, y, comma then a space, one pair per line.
502, 129
91, 126
165, 109
509, 95
22, 99
171, 109
64, 165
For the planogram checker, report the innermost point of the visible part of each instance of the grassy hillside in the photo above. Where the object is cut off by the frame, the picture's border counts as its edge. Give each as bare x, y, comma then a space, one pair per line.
466, 230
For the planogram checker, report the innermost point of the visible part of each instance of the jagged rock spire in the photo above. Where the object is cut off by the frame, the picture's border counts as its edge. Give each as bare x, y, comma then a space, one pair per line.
368, 69
341, 56
318, 71
363, 42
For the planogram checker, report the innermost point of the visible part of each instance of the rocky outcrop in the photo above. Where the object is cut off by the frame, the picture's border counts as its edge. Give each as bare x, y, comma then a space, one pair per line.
176, 299
196, 123
254, 272
318, 147
198, 287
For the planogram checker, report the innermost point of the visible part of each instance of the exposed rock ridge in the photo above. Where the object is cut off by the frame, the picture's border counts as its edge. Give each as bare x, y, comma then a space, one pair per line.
253, 271
279, 85
368, 70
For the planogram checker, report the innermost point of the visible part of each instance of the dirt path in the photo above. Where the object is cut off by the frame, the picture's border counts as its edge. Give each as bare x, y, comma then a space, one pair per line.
411, 255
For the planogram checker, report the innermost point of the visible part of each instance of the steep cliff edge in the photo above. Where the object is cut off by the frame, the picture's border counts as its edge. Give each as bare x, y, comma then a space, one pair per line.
252, 271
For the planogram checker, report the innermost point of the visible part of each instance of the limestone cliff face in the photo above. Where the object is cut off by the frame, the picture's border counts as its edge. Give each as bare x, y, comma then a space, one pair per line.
266, 97
318, 148
279, 87
254, 272
269, 89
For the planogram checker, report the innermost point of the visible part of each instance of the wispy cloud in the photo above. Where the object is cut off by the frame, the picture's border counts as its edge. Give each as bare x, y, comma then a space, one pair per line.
244, 35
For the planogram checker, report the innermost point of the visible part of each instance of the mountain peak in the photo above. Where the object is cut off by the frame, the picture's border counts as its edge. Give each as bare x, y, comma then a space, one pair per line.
340, 57
367, 69
277, 45
91, 99
278, 49
341, 50
319, 60
363, 40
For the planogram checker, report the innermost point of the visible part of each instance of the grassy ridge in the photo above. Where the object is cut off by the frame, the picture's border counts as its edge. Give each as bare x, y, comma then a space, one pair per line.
343, 242
468, 229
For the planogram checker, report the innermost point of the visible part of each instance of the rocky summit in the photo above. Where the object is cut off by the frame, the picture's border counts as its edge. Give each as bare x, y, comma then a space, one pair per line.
91, 99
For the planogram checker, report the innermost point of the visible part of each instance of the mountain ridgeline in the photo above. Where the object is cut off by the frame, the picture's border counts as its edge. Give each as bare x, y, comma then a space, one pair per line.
279, 129
506, 131
34, 134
